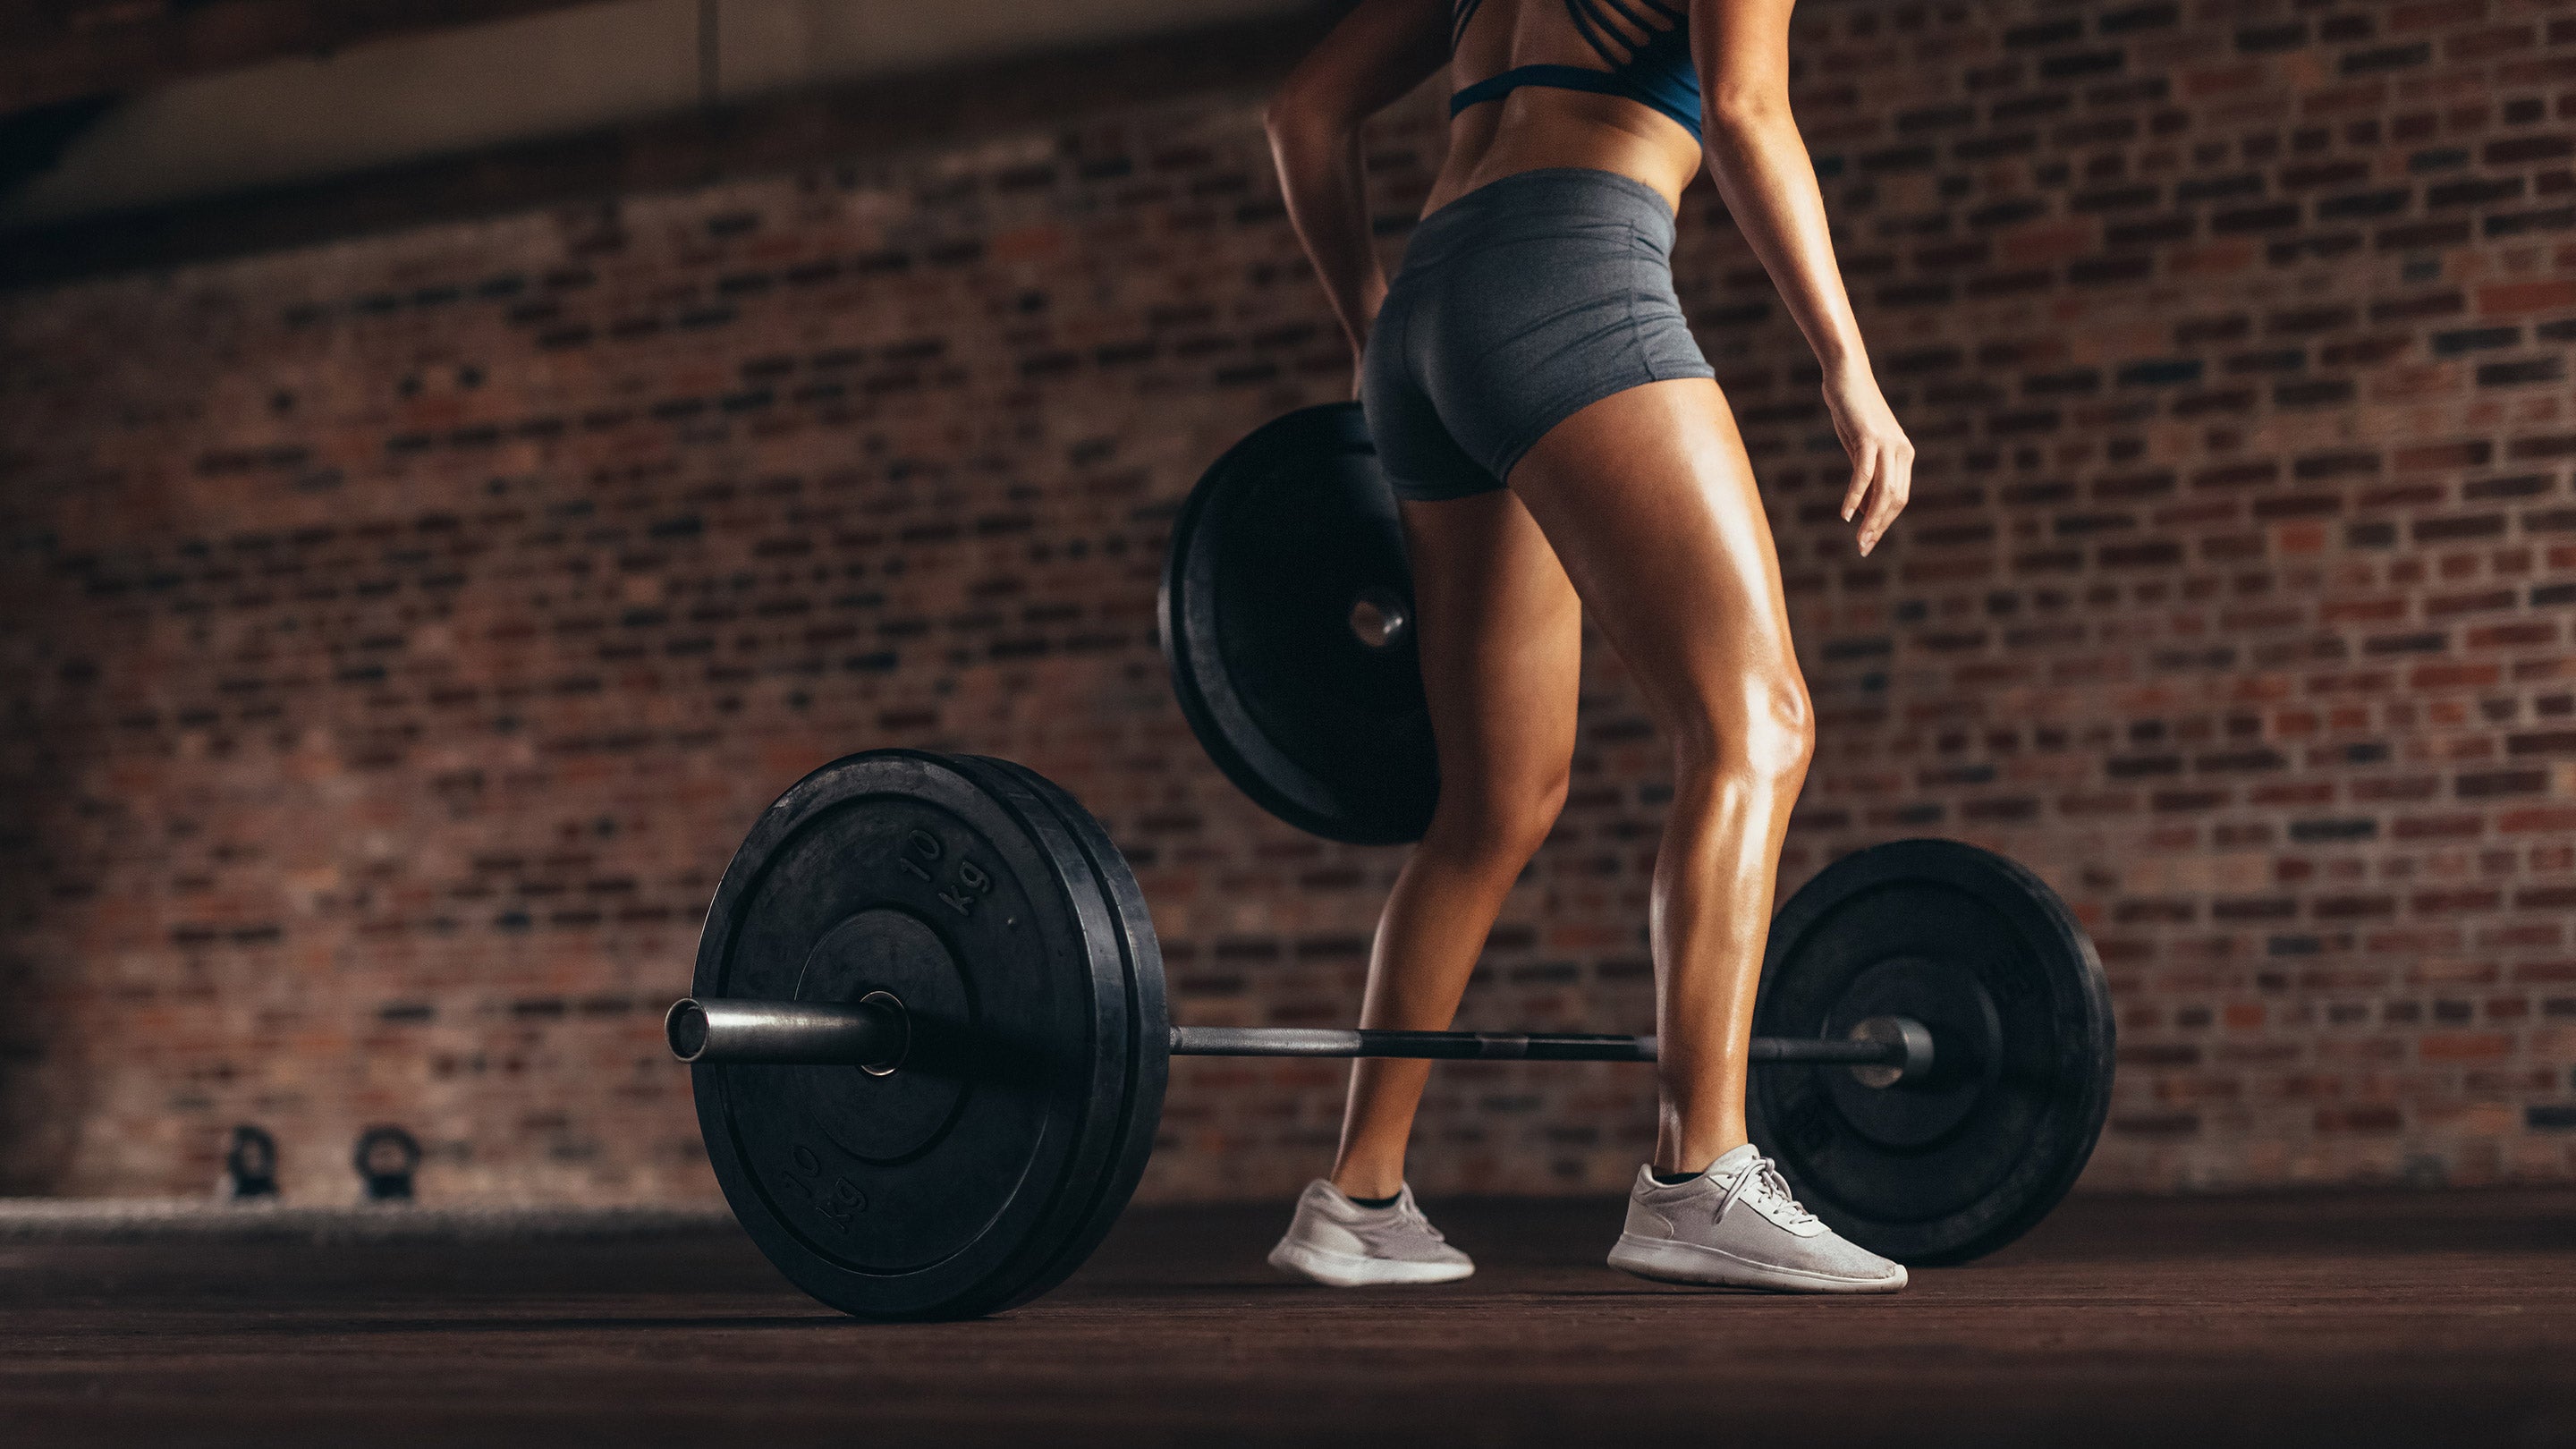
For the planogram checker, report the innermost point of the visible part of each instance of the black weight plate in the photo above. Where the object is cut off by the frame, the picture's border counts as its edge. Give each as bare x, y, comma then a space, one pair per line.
1282, 539
957, 1184
1984, 953
1150, 1037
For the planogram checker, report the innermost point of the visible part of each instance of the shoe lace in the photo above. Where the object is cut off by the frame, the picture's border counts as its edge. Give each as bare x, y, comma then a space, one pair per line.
1761, 1178
1411, 1212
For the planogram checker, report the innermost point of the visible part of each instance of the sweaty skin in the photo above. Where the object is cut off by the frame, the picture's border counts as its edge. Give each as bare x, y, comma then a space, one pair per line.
1640, 508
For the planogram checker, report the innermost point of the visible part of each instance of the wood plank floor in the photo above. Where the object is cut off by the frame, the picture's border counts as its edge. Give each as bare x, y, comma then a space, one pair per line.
2351, 1319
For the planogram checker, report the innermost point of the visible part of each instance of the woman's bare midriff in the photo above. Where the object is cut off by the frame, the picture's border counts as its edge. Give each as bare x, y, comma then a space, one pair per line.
1535, 128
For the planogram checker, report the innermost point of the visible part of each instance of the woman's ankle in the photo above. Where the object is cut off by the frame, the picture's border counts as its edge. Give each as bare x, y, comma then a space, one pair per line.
1688, 1152
1367, 1184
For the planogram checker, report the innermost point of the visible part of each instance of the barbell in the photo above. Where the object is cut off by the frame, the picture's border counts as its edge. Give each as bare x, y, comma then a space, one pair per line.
929, 1043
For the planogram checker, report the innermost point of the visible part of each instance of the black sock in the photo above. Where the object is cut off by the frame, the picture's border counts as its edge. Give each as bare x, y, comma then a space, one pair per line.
1374, 1202
1671, 1179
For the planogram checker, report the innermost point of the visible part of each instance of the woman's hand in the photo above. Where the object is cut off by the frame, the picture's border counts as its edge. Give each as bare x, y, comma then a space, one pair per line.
1882, 458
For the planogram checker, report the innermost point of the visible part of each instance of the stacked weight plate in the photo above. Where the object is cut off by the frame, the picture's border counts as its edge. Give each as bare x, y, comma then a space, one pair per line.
993, 907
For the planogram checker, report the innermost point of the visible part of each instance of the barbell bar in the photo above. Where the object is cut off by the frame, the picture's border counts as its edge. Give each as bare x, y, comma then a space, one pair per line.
875, 1034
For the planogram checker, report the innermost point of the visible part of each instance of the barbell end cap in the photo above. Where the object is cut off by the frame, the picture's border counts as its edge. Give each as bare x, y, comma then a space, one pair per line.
685, 1028
1918, 1047
1912, 1036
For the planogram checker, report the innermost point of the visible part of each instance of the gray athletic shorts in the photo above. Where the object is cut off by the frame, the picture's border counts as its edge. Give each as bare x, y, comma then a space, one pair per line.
1519, 304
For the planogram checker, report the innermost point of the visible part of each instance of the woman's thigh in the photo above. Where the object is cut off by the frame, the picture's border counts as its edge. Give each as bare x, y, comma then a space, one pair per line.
1500, 633
1648, 500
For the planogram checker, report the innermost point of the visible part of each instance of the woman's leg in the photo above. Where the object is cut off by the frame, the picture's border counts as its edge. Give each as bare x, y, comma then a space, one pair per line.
1649, 501
1501, 640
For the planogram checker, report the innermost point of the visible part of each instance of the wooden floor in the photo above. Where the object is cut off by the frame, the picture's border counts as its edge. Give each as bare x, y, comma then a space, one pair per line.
2415, 1319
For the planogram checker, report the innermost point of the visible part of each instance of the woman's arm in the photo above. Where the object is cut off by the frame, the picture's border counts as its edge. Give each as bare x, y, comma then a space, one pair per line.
1379, 51
1768, 182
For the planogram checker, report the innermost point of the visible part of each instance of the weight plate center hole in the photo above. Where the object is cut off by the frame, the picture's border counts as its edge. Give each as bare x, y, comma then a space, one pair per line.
886, 1065
1379, 618
898, 1102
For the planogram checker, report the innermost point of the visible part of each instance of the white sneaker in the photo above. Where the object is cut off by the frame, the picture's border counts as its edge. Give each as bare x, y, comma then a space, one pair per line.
1736, 1226
1335, 1240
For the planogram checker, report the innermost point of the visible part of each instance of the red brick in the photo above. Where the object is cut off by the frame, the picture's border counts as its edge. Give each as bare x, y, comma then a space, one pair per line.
2519, 299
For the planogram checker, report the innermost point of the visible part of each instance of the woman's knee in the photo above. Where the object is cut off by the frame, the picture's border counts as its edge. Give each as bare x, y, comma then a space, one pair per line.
1504, 821
1766, 733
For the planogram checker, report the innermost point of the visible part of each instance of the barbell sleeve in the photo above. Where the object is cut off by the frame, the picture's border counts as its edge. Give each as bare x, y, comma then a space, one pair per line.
872, 1033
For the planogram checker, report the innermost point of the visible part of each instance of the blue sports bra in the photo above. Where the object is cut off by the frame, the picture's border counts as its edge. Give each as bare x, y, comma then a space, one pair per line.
1658, 73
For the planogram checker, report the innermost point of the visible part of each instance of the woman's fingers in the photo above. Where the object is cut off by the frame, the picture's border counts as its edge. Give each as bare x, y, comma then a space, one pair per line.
1882, 457
1864, 462
1894, 485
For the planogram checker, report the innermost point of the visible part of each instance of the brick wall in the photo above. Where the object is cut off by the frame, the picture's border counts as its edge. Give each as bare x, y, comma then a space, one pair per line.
398, 634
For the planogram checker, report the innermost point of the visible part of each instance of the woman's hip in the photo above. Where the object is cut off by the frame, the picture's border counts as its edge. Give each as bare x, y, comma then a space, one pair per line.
1557, 299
